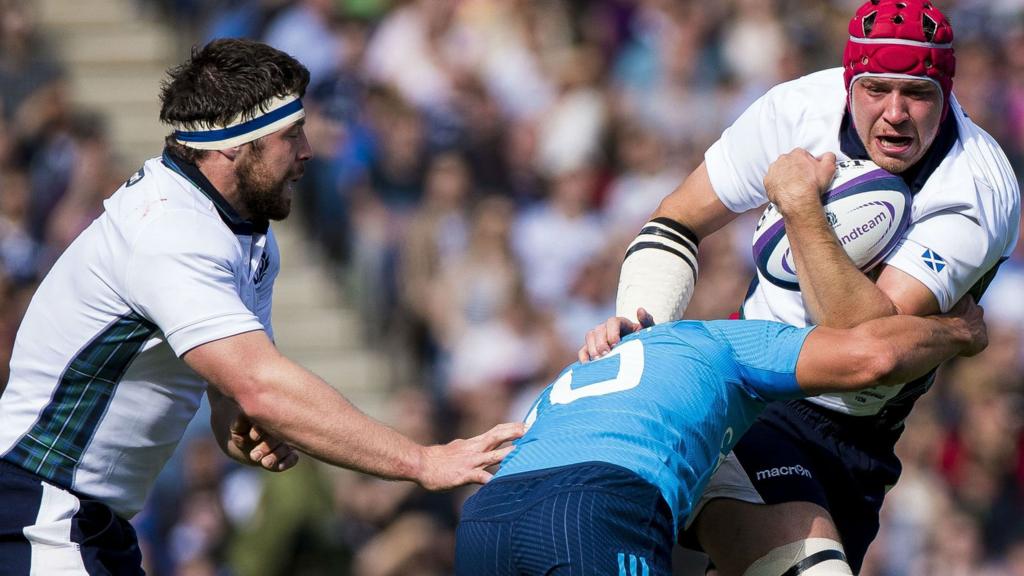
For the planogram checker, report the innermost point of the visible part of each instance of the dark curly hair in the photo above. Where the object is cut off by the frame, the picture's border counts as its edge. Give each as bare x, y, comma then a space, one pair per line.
223, 80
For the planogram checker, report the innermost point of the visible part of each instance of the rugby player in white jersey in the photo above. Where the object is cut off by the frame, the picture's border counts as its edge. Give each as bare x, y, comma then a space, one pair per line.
891, 102
165, 297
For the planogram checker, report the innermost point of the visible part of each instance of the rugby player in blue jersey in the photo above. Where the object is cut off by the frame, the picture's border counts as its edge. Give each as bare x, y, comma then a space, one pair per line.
619, 449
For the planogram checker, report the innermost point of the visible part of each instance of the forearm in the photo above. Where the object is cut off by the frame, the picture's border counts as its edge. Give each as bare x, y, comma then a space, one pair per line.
284, 407
835, 291
306, 412
914, 345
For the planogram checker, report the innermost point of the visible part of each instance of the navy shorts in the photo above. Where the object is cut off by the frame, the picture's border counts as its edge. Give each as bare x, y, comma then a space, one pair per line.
799, 452
590, 518
48, 530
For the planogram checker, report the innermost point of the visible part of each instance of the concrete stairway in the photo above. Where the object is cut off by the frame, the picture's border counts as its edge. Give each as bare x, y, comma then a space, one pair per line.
313, 327
115, 59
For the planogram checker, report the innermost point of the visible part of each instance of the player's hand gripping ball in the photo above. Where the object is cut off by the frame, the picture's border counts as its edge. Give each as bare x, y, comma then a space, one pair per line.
868, 208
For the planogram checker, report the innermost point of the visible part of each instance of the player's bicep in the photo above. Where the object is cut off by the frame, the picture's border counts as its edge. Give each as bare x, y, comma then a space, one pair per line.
765, 355
908, 294
947, 253
232, 365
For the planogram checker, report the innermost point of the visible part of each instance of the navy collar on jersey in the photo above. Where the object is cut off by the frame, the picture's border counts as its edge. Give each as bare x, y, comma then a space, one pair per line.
229, 215
916, 175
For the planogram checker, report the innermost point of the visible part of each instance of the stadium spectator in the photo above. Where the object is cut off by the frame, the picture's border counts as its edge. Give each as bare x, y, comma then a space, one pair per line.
567, 214
307, 31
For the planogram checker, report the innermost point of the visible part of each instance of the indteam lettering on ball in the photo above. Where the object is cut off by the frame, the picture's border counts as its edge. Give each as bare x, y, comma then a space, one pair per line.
868, 208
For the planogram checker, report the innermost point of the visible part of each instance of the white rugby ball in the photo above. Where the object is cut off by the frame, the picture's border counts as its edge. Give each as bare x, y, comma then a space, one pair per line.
868, 208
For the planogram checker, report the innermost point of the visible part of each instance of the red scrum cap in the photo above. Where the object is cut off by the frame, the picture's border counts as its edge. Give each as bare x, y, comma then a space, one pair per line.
901, 39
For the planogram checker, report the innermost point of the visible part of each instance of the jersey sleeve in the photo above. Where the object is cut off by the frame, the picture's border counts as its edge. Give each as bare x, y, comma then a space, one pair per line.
181, 277
738, 161
765, 354
949, 252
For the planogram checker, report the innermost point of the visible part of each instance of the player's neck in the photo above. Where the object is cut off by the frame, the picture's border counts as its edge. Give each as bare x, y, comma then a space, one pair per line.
220, 171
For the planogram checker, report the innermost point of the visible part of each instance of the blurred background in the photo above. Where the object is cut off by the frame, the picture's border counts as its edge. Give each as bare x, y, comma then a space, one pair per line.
480, 167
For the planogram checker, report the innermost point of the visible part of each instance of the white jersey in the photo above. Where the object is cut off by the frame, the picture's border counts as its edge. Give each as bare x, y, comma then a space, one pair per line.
98, 395
964, 218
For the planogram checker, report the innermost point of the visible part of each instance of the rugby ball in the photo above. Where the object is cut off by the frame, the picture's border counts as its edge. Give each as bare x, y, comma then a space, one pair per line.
868, 208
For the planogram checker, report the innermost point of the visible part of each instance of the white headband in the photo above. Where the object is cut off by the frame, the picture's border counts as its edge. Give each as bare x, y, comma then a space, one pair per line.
280, 112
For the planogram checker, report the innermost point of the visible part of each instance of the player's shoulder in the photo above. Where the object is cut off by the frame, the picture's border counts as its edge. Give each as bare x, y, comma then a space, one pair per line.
811, 85
803, 112
974, 179
690, 334
815, 93
979, 157
157, 207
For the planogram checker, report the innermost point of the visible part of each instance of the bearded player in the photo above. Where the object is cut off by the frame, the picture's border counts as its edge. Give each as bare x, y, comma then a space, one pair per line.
167, 297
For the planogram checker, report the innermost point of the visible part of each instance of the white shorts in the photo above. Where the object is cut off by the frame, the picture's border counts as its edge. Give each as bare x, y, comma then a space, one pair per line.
49, 531
729, 481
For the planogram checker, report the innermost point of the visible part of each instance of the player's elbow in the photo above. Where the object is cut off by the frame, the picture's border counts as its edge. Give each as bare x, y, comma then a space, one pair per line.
242, 368
845, 361
256, 397
872, 362
252, 388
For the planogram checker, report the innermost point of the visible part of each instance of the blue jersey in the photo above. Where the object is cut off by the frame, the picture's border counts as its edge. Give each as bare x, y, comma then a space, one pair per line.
669, 402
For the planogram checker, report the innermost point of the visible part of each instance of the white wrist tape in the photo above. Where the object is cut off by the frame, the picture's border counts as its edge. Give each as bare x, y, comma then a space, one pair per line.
658, 272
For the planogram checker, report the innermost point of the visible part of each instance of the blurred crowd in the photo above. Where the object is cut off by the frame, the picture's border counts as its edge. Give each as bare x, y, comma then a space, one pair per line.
56, 165
479, 168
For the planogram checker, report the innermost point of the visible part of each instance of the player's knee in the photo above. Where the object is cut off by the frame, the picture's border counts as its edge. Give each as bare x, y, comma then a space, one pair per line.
810, 557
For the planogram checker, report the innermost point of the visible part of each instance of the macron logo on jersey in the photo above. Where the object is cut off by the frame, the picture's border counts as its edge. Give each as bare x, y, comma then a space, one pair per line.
797, 470
933, 260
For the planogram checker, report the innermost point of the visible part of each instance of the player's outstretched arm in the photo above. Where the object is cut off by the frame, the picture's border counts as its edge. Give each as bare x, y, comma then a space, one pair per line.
888, 350
289, 402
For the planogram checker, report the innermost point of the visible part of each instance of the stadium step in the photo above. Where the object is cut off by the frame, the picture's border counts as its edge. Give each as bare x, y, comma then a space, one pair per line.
313, 327
76, 13
115, 58
134, 84
140, 42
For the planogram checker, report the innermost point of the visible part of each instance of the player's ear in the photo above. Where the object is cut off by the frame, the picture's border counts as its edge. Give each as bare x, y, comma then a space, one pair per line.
231, 153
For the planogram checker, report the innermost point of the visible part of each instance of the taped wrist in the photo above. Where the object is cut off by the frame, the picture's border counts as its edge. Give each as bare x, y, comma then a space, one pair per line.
659, 271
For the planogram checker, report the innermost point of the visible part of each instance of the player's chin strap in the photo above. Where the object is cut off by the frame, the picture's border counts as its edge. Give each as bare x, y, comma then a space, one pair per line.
810, 557
659, 271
